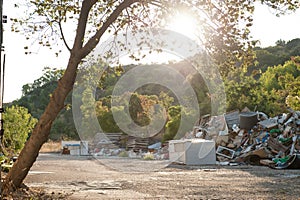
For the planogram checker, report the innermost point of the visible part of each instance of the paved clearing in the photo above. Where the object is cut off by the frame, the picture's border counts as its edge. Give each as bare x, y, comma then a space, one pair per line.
86, 178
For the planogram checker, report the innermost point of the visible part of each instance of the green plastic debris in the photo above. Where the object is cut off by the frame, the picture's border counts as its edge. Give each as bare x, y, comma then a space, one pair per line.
281, 160
275, 130
284, 140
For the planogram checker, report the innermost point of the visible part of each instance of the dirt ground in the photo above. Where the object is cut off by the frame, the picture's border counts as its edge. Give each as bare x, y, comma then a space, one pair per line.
84, 177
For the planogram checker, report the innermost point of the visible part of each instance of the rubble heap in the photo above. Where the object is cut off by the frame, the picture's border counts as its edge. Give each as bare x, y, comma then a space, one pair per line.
253, 138
241, 138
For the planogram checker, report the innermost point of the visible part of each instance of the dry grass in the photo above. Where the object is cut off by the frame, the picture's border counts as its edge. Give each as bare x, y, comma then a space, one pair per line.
51, 147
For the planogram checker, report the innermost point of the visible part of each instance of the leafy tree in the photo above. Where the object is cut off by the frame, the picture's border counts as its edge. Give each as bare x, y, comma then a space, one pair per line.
87, 111
135, 108
142, 109
279, 87
63, 127
17, 128
275, 55
276, 89
280, 43
109, 78
106, 119
225, 36
172, 125
201, 91
36, 96
166, 100
241, 91
293, 98
276, 77
266, 58
49, 76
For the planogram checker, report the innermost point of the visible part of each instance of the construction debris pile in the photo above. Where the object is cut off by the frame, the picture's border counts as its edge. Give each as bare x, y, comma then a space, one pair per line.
240, 138
121, 145
253, 138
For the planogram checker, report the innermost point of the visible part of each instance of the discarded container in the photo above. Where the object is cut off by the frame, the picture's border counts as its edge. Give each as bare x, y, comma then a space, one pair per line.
248, 120
193, 151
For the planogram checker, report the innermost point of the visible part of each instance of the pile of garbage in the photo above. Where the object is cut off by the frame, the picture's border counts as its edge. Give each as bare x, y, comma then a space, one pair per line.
121, 145
254, 138
244, 137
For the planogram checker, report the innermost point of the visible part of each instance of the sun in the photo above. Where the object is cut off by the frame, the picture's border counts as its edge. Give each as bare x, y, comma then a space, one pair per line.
183, 23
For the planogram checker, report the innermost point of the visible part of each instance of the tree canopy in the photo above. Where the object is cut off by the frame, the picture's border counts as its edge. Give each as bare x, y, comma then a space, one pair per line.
36, 95
275, 55
224, 24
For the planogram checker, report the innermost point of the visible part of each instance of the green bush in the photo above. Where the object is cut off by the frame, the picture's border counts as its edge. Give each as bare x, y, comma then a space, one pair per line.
18, 125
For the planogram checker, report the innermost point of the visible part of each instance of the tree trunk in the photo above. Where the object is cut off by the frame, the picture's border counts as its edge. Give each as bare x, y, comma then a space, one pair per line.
41, 131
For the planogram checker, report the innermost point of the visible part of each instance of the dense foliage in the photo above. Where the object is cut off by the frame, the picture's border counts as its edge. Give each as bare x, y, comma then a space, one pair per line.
280, 87
17, 128
274, 55
36, 96
276, 89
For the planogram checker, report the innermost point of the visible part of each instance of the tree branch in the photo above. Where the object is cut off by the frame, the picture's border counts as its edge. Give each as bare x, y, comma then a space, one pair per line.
63, 37
94, 40
82, 22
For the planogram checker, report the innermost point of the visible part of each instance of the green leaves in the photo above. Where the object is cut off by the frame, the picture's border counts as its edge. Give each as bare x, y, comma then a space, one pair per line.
282, 83
18, 124
281, 7
272, 93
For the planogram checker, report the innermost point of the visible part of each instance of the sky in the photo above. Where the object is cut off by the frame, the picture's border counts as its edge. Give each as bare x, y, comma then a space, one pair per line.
21, 69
